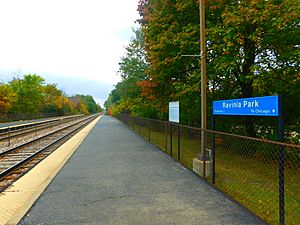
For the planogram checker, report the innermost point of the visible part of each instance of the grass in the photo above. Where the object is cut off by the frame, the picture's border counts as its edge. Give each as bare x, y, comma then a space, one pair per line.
249, 180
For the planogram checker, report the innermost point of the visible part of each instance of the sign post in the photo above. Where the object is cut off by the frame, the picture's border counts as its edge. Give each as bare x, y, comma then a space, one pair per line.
173, 118
281, 164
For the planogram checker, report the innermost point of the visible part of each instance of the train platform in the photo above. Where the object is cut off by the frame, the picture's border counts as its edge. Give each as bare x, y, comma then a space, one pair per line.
116, 177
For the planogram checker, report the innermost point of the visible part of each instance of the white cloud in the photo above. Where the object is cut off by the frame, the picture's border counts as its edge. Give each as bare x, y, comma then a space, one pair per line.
70, 38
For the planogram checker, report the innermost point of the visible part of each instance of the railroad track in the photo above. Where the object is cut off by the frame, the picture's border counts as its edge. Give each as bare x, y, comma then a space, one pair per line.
15, 135
17, 160
26, 127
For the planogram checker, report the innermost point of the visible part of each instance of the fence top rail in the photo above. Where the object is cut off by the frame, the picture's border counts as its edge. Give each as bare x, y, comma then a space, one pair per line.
282, 144
147, 119
256, 139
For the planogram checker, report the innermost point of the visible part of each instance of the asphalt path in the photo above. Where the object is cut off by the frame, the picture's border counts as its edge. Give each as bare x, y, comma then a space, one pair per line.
116, 177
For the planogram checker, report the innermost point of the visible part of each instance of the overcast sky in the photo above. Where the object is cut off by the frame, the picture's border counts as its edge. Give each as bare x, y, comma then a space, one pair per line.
74, 43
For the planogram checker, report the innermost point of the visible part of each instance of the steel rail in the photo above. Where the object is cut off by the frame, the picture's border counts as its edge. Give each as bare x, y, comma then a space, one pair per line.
30, 130
35, 128
18, 165
39, 138
17, 127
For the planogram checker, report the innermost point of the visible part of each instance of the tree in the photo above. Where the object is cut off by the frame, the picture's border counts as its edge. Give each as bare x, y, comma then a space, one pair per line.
252, 50
50, 98
30, 97
171, 30
90, 103
126, 96
29, 94
132, 67
7, 98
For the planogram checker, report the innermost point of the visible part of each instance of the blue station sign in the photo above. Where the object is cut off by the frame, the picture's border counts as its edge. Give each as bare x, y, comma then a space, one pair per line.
259, 106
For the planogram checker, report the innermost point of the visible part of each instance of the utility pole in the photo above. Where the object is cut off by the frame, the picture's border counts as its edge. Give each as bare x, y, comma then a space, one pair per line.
202, 56
201, 161
203, 74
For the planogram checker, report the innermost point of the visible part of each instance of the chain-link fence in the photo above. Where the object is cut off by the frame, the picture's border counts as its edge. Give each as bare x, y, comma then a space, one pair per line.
262, 175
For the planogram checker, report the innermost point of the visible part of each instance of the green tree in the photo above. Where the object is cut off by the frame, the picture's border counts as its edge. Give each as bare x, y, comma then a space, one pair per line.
113, 98
90, 103
126, 96
29, 94
30, 97
252, 50
7, 98
51, 96
171, 29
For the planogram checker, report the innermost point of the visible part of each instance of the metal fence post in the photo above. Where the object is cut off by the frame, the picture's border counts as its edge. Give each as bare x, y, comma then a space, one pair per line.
139, 124
171, 138
213, 152
166, 137
203, 144
133, 124
178, 144
149, 138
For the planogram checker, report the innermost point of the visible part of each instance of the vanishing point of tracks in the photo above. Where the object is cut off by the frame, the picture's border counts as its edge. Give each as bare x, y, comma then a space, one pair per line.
23, 148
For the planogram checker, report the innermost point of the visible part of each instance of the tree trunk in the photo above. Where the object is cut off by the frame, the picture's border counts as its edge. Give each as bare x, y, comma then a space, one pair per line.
246, 83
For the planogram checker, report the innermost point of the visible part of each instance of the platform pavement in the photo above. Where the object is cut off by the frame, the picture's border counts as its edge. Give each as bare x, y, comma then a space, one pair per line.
116, 177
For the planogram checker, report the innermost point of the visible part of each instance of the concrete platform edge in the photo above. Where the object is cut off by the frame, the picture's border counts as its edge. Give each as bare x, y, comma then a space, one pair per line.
19, 198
